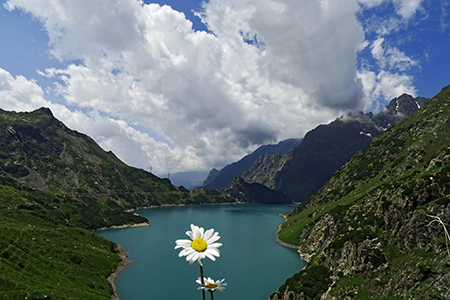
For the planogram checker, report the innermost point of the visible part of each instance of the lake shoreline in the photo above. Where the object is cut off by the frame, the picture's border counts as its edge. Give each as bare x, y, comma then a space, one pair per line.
182, 205
303, 256
279, 241
121, 266
123, 226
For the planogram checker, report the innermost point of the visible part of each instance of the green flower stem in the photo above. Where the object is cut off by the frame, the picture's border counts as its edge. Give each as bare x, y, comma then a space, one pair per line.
212, 295
202, 281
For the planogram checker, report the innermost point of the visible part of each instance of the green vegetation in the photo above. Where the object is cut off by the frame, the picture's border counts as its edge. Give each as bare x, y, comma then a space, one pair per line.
42, 258
369, 223
311, 283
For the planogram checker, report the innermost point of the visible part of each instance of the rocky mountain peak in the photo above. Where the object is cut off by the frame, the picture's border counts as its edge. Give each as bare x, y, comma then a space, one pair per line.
398, 109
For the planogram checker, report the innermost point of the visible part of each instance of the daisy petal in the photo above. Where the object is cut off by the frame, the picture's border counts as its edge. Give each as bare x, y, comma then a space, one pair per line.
201, 231
208, 234
195, 231
214, 251
186, 252
183, 243
210, 256
215, 245
213, 238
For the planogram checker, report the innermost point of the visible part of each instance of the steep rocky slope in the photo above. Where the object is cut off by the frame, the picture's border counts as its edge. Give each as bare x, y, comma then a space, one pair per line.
255, 193
303, 170
220, 179
371, 231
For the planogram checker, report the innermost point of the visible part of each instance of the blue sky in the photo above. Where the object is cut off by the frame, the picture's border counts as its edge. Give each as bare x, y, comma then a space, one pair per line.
175, 86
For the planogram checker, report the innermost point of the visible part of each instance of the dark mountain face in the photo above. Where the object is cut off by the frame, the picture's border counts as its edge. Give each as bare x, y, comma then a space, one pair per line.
211, 176
304, 169
53, 158
373, 230
219, 180
255, 193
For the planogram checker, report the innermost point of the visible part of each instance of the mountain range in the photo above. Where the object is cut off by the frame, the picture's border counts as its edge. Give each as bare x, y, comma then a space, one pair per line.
303, 170
255, 193
303, 167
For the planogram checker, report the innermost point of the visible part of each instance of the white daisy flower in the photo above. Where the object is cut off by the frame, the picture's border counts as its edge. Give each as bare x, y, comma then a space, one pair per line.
211, 285
202, 244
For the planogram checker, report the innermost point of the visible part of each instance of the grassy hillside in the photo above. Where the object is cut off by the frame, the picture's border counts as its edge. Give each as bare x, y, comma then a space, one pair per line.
369, 226
42, 258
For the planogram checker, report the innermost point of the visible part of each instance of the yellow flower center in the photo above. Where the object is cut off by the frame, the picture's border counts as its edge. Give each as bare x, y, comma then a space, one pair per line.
199, 245
211, 285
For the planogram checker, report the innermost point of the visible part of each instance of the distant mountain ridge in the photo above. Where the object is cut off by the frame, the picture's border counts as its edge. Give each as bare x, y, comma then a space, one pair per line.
189, 180
304, 169
219, 180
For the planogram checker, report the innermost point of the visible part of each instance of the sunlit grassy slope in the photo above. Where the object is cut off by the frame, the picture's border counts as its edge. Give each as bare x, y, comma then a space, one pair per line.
42, 258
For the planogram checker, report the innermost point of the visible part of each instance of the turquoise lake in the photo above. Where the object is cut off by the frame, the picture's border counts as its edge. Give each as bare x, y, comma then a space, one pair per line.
252, 263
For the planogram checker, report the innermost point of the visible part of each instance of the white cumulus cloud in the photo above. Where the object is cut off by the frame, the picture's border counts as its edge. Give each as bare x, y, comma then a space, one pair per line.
18, 93
142, 82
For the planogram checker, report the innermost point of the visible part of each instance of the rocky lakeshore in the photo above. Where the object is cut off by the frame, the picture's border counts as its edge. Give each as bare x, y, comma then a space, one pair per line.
125, 226
304, 256
123, 256
122, 265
